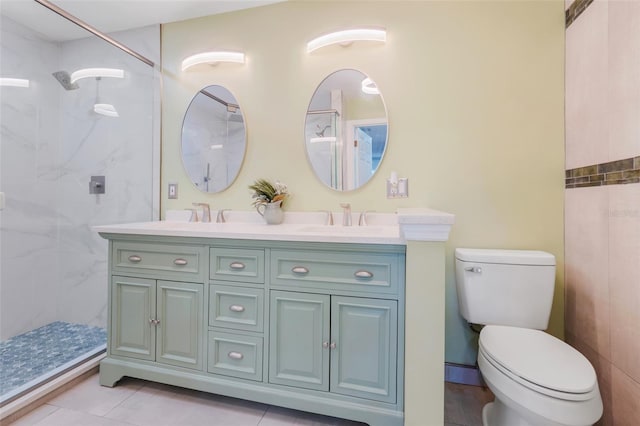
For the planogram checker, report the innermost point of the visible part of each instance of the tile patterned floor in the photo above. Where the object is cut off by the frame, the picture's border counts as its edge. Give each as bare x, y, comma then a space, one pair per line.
26, 357
139, 403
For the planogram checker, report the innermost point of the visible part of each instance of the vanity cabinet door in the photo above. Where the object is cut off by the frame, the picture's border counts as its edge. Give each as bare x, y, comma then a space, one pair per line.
299, 340
364, 347
158, 321
133, 307
180, 324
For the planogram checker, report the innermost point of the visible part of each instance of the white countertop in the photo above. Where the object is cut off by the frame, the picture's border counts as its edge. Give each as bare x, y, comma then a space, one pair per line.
381, 228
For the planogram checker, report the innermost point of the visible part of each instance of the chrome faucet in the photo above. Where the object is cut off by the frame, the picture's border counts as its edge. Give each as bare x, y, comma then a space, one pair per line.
346, 214
206, 211
363, 218
194, 215
220, 217
329, 220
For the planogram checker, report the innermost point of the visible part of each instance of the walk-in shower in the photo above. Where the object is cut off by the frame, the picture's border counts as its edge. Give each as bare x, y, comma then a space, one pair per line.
57, 134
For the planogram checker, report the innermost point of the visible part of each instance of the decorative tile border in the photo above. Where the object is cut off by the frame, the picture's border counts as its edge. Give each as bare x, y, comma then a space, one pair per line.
576, 8
611, 173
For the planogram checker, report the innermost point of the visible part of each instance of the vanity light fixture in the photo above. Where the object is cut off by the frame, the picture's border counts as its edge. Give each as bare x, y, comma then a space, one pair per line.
346, 37
106, 109
96, 72
370, 87
212, 58
14, 82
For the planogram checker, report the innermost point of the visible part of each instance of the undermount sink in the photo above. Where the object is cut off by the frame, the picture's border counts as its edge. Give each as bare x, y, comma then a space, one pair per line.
346, 230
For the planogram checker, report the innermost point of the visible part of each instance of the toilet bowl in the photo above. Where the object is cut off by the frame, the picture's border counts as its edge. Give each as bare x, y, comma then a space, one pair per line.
538, 380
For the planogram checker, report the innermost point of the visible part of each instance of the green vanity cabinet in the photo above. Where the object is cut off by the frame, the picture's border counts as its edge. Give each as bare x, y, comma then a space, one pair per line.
157, 321
345, 345
311, 326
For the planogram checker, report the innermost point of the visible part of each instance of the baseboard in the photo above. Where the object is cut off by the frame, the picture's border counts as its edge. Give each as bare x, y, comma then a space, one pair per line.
463, 374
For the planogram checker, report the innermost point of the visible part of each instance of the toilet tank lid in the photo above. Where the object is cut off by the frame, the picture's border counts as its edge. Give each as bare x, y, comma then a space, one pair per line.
508, 257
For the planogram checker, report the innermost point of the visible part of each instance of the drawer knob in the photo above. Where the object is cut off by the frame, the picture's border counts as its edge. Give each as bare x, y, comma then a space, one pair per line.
180, 262
134, 258
301, 270
236, 308
238, 266
235, 355
363, 274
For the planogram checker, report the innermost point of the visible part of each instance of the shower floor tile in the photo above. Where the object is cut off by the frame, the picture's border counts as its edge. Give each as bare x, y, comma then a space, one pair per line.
26, 357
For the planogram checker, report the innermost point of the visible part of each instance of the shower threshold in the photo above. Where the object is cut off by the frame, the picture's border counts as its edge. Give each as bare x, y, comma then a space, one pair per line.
37, 357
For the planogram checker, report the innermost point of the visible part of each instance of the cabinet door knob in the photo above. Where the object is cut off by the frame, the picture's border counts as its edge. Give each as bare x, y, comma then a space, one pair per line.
236, 308
180, 262
333, 345
237, 266
301, 270
134, 258
325, 344
363, 274
154, 321
235, 355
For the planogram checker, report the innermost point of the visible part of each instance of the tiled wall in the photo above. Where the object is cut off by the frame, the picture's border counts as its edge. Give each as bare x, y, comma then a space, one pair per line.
602, 204
53, 264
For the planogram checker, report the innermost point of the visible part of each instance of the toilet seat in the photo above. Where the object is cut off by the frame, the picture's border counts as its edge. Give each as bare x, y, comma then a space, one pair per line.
539, 362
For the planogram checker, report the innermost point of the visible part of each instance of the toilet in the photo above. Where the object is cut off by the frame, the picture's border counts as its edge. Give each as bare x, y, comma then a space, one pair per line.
537, 379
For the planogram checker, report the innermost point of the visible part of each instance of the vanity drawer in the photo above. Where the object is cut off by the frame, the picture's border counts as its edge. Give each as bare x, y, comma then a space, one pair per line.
236, 307
239, 265
371, 272
235, 355
159, 260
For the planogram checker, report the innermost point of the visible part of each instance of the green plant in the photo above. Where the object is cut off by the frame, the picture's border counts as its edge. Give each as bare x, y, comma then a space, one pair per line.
265, 192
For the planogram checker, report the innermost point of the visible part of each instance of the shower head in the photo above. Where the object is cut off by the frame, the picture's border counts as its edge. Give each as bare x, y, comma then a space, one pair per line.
65, 80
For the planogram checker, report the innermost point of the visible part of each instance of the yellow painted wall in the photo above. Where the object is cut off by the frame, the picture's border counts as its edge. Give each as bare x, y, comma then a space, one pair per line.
474, 92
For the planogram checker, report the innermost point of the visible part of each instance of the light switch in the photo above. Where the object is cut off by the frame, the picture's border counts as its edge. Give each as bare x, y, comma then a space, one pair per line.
173, 191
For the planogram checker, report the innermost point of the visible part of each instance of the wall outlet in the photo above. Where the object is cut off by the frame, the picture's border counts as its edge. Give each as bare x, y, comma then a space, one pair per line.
173, 191
398, 189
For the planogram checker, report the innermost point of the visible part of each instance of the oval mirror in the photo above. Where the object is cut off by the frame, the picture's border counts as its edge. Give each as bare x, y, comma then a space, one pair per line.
213, 139
346, 130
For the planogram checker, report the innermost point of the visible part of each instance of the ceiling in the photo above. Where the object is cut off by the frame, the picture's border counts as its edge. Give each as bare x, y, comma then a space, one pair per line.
114, 15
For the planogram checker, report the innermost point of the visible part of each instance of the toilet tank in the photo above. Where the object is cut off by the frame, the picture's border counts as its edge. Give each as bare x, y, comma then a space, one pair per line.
505, 287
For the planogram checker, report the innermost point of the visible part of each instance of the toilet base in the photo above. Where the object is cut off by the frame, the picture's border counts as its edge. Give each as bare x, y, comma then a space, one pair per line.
497, 414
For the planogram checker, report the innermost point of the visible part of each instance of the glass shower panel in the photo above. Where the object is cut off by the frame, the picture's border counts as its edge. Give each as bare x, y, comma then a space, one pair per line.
53, 271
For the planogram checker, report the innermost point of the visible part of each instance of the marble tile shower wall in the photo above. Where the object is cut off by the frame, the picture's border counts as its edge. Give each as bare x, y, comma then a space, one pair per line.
53, 265
602, 201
